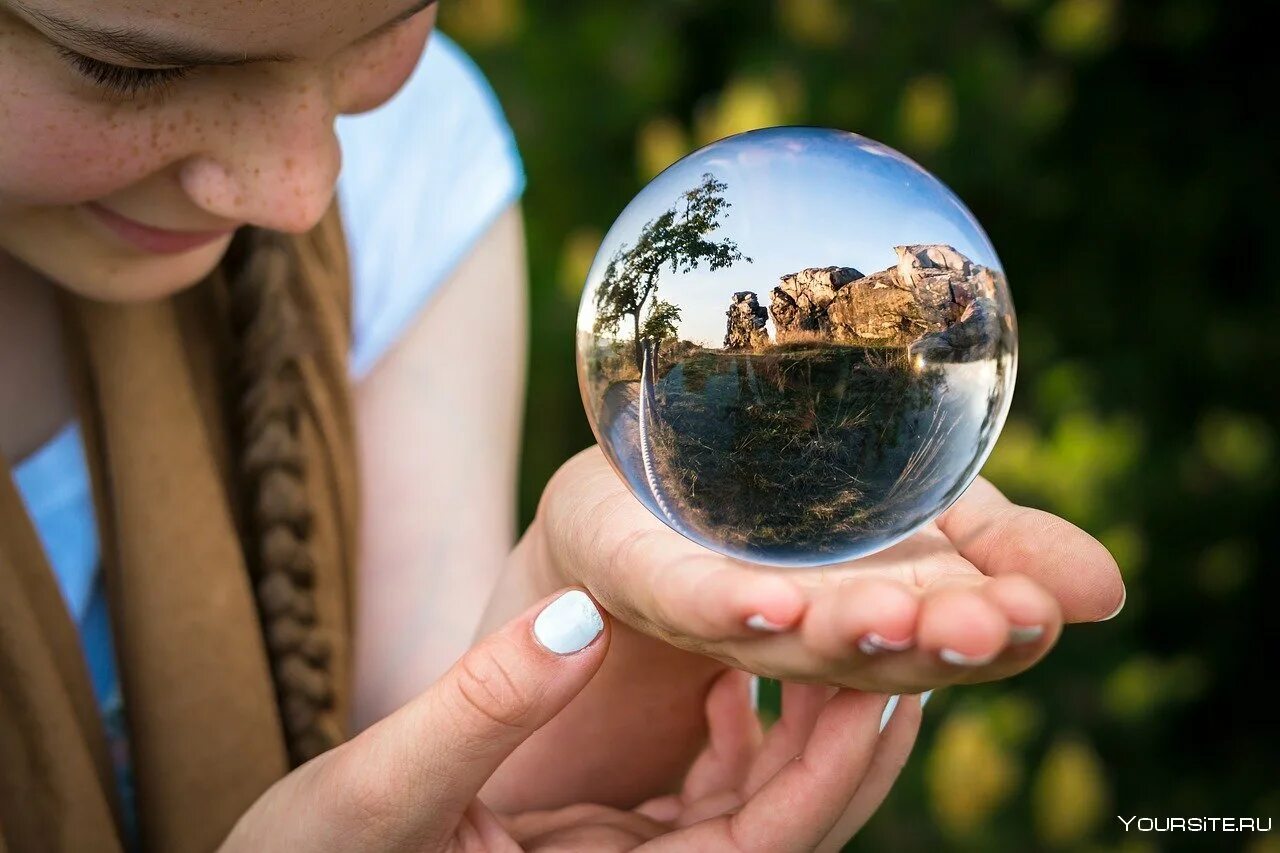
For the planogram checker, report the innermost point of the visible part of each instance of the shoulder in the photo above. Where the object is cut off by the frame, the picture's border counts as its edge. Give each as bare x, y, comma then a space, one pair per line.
423, 177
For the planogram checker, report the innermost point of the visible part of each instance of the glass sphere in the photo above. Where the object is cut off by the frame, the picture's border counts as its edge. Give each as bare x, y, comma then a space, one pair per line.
796, 346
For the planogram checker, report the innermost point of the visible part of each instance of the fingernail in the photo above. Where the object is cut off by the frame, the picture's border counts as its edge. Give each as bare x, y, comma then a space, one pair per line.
924, 697
1124, 596
569, 623
757, 622
1021, 634
888, 711
956, 658
873, 644
753, 690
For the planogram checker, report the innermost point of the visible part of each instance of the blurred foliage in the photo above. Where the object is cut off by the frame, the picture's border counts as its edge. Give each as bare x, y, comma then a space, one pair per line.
1124, 165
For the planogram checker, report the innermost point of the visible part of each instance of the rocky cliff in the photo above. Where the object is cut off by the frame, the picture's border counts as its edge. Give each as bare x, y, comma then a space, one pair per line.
935, 301
799, 303
745, 328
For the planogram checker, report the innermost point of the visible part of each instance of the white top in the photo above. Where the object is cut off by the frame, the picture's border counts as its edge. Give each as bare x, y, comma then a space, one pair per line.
424, 175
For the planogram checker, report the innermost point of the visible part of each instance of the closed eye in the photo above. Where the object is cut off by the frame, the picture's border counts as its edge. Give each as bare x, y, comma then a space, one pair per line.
121, 79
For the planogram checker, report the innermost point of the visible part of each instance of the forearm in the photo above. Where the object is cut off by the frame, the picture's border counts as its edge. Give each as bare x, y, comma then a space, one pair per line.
630, 735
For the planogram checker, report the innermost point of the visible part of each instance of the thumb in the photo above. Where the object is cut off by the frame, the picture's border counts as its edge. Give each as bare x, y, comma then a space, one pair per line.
433, 755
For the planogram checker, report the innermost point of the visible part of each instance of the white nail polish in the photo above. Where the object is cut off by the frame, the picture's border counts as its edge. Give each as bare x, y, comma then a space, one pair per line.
888, 711
753, 689
873, 643
956, 658
924, 697
1020, 634
1124, 596
569, 623
757, 622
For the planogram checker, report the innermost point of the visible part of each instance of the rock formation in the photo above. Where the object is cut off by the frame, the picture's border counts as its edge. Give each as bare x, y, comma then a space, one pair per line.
935, 300
799, 302
970, 338
745, 328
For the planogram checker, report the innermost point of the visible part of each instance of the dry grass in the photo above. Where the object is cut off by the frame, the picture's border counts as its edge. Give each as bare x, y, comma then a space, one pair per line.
794, 448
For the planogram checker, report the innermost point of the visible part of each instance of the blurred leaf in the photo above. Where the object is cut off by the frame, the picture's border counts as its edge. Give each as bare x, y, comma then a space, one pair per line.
748, 103
1225, 567
1071, 470
815, 23
1237, 446
1143, 685
484, 23
1014, 719
661, 142
1080, 27
1128, 546
927, 115
1069, 794
576, 257
1064, 387
969, 773
1046, 99
1264, 844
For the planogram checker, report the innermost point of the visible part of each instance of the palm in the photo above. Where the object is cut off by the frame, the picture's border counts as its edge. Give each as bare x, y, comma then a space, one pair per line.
979, 594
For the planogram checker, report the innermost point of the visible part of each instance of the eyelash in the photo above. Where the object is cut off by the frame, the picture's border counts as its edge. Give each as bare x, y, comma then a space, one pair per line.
130, 82
122, 80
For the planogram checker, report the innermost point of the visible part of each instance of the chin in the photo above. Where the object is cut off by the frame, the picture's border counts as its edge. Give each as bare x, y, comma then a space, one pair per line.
141, 278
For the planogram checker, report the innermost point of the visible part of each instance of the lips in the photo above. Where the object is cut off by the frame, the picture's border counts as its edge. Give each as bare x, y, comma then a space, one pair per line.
148, 238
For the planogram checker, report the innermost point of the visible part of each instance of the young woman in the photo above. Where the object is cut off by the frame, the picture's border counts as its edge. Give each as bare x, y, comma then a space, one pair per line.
201, 369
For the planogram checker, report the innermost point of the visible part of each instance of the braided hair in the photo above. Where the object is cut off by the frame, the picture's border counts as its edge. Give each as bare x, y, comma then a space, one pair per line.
270, 335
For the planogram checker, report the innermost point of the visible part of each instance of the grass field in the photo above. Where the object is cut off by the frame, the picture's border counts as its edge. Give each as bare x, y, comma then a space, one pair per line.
800, 451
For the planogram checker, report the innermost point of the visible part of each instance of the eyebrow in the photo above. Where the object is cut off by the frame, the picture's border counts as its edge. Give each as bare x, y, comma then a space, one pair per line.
152, 49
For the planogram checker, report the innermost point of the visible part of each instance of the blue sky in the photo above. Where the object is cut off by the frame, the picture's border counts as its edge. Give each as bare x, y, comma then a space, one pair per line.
802, 197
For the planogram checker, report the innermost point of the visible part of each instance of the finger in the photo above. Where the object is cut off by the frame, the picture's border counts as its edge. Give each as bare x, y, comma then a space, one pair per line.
802, 803
649, 575
1000, 537
713, 805
1035, 623
583, 826
798, 807
432, 756
802, 704
961, 627
489, 833
734, 738
890, 756
1032, 613
709, 597
971, 629
870, 615
662, 809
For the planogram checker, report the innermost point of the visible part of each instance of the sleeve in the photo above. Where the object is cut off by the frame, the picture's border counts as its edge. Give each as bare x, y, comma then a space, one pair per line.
423, 177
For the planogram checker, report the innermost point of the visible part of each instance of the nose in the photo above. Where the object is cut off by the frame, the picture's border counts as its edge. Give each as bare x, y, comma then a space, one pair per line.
273, 161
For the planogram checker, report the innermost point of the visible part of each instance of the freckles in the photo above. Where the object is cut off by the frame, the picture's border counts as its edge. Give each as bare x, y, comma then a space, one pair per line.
82, 153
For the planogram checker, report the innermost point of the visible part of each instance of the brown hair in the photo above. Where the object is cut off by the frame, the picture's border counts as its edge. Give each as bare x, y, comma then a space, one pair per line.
270, 329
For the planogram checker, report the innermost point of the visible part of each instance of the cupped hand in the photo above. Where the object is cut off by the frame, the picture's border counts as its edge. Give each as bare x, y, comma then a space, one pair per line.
410, 781
979, 594
809, 783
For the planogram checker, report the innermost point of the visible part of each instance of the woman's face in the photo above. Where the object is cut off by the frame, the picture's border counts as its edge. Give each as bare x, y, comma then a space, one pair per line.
136, 135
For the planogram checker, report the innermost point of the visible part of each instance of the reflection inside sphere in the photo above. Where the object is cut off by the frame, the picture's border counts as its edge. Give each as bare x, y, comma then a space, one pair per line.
796, 346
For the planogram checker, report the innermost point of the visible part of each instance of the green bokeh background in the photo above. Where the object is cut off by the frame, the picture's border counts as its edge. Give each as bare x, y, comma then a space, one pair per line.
1124, 167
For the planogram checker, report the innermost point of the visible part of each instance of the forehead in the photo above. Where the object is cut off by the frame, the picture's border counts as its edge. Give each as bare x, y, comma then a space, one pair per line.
253, 26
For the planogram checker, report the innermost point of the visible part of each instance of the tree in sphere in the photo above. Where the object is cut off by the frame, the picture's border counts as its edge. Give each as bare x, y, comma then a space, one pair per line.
678, 239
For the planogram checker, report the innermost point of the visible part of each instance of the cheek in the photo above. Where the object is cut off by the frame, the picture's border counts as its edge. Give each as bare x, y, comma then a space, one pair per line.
59, 146
371, 76
69, 152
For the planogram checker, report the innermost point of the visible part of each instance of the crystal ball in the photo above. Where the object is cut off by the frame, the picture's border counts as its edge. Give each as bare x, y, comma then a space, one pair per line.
796, 346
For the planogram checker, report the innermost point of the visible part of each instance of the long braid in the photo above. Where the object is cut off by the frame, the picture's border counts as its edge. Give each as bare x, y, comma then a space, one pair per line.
271, 340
